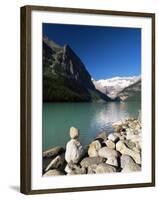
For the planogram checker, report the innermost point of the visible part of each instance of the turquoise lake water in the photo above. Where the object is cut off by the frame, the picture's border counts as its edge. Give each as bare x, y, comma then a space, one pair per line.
89, 118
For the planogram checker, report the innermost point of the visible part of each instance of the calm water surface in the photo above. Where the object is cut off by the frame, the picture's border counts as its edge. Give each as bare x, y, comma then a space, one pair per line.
89, 118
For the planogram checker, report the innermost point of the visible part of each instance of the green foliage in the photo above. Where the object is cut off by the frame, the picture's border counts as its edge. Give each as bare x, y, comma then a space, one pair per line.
59, 89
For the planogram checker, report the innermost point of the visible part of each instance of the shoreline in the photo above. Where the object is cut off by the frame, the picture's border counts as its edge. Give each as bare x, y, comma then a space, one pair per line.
119, 151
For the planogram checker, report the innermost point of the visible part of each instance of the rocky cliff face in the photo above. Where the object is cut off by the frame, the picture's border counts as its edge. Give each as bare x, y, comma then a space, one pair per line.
131, 93
65, 77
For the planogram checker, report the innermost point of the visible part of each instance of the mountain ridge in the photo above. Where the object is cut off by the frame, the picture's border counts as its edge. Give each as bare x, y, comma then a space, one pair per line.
65, 77
132, 92
112, 86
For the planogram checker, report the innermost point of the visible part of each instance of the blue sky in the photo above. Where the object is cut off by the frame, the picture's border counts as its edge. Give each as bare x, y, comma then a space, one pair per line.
105, 51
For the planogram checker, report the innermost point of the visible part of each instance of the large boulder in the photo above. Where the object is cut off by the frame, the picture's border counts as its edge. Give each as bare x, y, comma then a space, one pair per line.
110, 144
53, 172
104, 168
131, 168
53, 152
74, 151
94, 148
56, 163
126, 160
106, 152
88, 161
110, 154
112, 161
128, 164
123, 149
74, 133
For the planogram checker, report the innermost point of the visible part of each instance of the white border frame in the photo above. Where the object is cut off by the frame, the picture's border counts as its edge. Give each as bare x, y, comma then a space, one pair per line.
39, 182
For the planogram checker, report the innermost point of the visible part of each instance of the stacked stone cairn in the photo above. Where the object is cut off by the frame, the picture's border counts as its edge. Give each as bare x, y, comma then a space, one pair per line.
119, 151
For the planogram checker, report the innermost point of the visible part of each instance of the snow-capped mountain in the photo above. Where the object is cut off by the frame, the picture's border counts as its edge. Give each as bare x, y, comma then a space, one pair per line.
112, 86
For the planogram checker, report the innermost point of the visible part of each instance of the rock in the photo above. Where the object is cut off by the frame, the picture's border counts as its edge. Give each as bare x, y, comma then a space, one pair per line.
129, 131
92, 169
134, 127
68, 170
53, 172
112, 161
113, 137
94, 148
133, 145
74, 151
74, 169
126, 160
103, 135
110, 144
74, 133
53, 152
123, 131
56, 163
134, 138
104, 168
131, 168
110, 154
99, 140
88, 161
117, 126
121, 147
130, 144
105, 152
121, 137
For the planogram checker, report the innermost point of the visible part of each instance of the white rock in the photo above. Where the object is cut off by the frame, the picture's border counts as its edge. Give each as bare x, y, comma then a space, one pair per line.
131, 167
121, 147
94, 148
68, 170
126, 160
74, 133
88, 161
56, 163
112, 161
104, 168
105, 152
113, 137
74, 151
110, 144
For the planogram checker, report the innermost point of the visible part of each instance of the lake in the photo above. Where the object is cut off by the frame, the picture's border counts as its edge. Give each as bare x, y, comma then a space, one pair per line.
89, 118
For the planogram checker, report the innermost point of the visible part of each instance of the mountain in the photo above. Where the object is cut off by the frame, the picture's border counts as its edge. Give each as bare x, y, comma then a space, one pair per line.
65, 78
131, 93
111, 87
